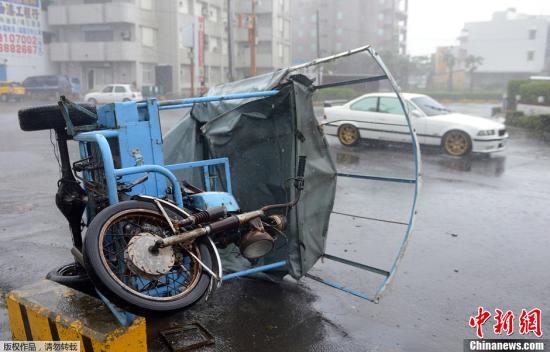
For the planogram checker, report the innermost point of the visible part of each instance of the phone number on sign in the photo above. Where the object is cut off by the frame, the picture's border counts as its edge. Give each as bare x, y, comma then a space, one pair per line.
18, 43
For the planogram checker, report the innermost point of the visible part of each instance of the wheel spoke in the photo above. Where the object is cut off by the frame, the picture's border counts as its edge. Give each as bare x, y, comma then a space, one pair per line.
179, 281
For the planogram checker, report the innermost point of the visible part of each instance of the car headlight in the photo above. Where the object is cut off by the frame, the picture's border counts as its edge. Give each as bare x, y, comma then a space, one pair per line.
486, 133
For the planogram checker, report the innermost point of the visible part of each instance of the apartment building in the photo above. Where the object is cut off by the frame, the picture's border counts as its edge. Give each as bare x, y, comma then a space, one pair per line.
174, 44
343, 25
512, 45
273, 37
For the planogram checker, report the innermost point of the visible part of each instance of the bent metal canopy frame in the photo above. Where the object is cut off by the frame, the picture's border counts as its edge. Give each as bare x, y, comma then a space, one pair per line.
388, 274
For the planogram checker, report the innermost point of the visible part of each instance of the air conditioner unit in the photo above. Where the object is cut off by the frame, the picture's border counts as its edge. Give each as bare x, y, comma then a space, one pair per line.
126, 35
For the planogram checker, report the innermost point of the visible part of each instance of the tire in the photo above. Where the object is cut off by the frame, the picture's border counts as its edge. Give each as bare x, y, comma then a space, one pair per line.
117, 292
92, 101
456, 143
348, 135
72, 275
49, 117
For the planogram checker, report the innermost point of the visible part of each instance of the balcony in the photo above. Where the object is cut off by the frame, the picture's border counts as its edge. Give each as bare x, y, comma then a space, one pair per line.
94, 51
117, 12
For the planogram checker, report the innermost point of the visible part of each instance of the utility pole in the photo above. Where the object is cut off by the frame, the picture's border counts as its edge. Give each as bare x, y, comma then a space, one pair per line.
252, 39
317, 31
192, 58
229, 41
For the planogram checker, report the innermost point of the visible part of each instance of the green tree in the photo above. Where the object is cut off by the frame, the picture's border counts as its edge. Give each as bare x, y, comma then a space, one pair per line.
472, 63
450, 62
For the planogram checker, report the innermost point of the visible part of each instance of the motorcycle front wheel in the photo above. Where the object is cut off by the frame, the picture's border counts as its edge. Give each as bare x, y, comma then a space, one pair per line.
106, 260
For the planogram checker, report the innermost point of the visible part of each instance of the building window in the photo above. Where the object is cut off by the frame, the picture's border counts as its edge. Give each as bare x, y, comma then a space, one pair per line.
300, 48
184, 6
380, 31
146, 4
148, 36
338, 31
313, 18
313, 47
213, 14
530, 55
338, 46
148, 74
532, 34
214, 45
302, 19
381, 16
339, 15
301, 33
280, 50
224, 47
198, 7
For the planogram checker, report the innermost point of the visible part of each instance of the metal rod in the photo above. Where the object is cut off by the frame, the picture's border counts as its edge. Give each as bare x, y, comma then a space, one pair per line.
168, 219
329, 58
252, 39
218, 261
255, 270
177, 106
99, 137
207, 99
373, 219
377, 178
353, 81
159, 169
341, 287
418, 173
357, 265
204, 266
201, 163
229, 41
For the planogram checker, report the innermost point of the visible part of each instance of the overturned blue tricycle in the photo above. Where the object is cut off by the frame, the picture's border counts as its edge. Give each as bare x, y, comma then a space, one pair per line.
158, 226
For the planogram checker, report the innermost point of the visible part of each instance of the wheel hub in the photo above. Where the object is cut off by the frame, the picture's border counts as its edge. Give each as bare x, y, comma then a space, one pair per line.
144, 262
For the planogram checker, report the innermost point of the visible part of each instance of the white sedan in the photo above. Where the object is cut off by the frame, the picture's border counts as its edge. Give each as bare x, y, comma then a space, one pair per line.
114, 93
379, 116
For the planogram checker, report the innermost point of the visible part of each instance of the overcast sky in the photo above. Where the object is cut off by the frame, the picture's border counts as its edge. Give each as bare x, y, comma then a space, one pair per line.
435, 23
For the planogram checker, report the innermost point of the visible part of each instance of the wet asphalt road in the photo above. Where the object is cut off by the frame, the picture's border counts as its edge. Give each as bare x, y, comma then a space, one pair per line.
482, 238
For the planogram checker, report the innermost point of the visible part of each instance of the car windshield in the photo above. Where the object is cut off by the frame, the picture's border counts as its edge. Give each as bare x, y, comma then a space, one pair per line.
429, 106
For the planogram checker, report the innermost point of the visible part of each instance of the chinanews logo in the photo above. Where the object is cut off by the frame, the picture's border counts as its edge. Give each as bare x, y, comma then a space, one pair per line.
500, 324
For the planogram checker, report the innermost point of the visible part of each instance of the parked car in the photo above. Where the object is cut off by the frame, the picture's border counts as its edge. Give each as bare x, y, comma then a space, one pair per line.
11, 91
379, 116
113, 93
52, 86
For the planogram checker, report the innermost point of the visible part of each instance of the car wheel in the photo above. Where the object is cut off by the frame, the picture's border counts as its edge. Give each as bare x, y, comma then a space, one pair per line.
348, 135
456, 143
92, 101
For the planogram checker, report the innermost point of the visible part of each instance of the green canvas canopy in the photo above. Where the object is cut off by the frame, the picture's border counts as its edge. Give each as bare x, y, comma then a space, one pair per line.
263, 138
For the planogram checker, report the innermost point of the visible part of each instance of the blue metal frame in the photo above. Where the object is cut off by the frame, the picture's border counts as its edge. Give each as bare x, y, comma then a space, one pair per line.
132, 125
416, 181
129, 115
